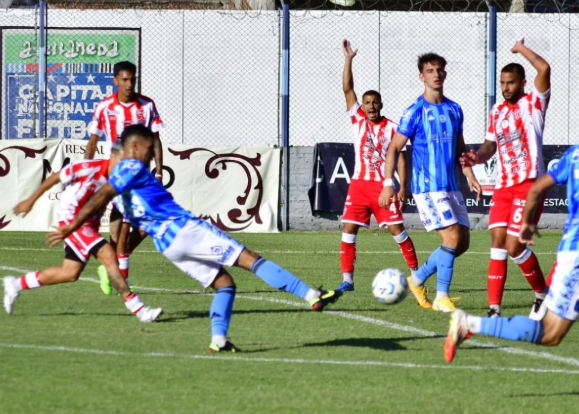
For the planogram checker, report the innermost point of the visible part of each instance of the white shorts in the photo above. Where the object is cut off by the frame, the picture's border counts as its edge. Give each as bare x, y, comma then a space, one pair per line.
440, 209
563, 296
200, 249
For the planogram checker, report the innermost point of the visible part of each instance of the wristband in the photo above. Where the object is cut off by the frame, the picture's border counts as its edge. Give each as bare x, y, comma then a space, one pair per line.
388, 182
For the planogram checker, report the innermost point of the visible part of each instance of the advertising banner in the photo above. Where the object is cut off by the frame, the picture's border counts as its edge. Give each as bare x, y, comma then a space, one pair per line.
334, 164
79, 75
235, 188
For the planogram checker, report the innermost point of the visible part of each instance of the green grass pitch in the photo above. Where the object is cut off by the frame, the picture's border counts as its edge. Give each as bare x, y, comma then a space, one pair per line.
71, 349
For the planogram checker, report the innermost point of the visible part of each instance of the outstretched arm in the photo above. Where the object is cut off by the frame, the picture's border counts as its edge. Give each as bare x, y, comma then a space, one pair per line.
484, 153
25, 206
543, 78
348, 77
158, 157
473, 183
534, 197
95, 204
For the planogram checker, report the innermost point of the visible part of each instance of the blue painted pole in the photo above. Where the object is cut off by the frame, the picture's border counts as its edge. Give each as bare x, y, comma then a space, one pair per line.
42, 71
285, 111
492, 63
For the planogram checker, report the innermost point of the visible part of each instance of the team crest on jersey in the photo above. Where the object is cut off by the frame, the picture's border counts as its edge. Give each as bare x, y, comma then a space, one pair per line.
87, 231
442, 118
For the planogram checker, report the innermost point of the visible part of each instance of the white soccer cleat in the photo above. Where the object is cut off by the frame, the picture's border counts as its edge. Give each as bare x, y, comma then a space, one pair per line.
10, 293
539, 310
457, 334
147, 314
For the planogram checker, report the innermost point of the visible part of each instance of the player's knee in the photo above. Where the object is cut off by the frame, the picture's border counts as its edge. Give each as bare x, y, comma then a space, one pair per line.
552, 338
70, 276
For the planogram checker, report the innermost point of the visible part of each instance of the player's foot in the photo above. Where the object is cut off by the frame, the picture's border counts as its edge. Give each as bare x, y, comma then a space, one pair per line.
228, 347
457, 334
419, 293
147, 314
493, 313
443, 305
326, 297
105, 282
10, 293
345, 287
538, 310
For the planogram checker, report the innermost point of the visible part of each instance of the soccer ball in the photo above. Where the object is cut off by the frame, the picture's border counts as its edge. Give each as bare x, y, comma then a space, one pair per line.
390, 286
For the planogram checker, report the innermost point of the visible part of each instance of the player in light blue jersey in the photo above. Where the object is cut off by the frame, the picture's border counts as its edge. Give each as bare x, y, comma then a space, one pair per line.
562, 302
434, 126
195, 246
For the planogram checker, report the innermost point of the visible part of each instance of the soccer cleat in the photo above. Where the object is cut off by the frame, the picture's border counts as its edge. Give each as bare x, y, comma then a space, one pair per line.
10, 293
147, 314
345, 287
457, 334
443, 305
538, 310
493, 313
105, 282
419, 293
228, 347
326, 297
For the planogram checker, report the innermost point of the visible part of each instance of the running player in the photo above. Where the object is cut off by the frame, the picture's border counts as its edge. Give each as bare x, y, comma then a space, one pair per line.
434, 125
372, 134
195, 246
562, 301
125, 107
82, 179
515, 133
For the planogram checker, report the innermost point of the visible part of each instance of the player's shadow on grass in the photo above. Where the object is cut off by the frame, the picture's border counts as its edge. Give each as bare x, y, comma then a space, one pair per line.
374, 343
181, 315
544, 394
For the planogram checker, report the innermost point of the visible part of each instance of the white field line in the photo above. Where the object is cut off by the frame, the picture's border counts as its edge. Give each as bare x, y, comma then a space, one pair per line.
287, 360
379, 322
266, 251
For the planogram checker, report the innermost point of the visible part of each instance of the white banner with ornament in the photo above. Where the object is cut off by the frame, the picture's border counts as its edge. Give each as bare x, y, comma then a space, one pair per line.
235, 188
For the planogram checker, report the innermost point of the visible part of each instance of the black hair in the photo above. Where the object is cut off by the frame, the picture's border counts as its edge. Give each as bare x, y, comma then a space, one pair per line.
137, 129
430, 58
514, 68
372, 92
124, 65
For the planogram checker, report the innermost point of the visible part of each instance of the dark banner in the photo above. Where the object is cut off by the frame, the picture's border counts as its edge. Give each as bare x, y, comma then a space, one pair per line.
334, 165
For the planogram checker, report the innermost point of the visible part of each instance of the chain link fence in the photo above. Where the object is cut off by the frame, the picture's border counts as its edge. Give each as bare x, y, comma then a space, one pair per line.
215, 75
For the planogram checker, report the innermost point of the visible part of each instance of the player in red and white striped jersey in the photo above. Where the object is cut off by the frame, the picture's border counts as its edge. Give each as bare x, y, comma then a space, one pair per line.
515, 133
372, 133
125, 107
81, 179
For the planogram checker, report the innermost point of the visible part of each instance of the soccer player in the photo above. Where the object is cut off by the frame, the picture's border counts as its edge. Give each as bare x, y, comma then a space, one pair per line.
515, 133
82, 179
562, 301
372, 133
195, 246
434, 125
111, 116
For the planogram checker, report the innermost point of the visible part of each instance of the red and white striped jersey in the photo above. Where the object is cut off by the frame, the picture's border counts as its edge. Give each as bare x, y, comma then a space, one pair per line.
371, 141
81, 179
111, 117
518, 132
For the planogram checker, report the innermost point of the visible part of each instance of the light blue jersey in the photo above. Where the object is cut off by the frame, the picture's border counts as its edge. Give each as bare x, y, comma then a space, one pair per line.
566, 171
146, 203
433, 130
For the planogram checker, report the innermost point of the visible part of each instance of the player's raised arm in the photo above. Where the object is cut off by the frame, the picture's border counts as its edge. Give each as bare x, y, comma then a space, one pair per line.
348, 77
25, 206
95, 204
395, 147
543, 78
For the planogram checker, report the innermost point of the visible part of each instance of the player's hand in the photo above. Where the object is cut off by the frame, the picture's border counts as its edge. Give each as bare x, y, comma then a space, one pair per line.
517, 47
528, 230
347, 48
23, 207
386, 197
402, 199
476, 187
468, 159
58, 235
